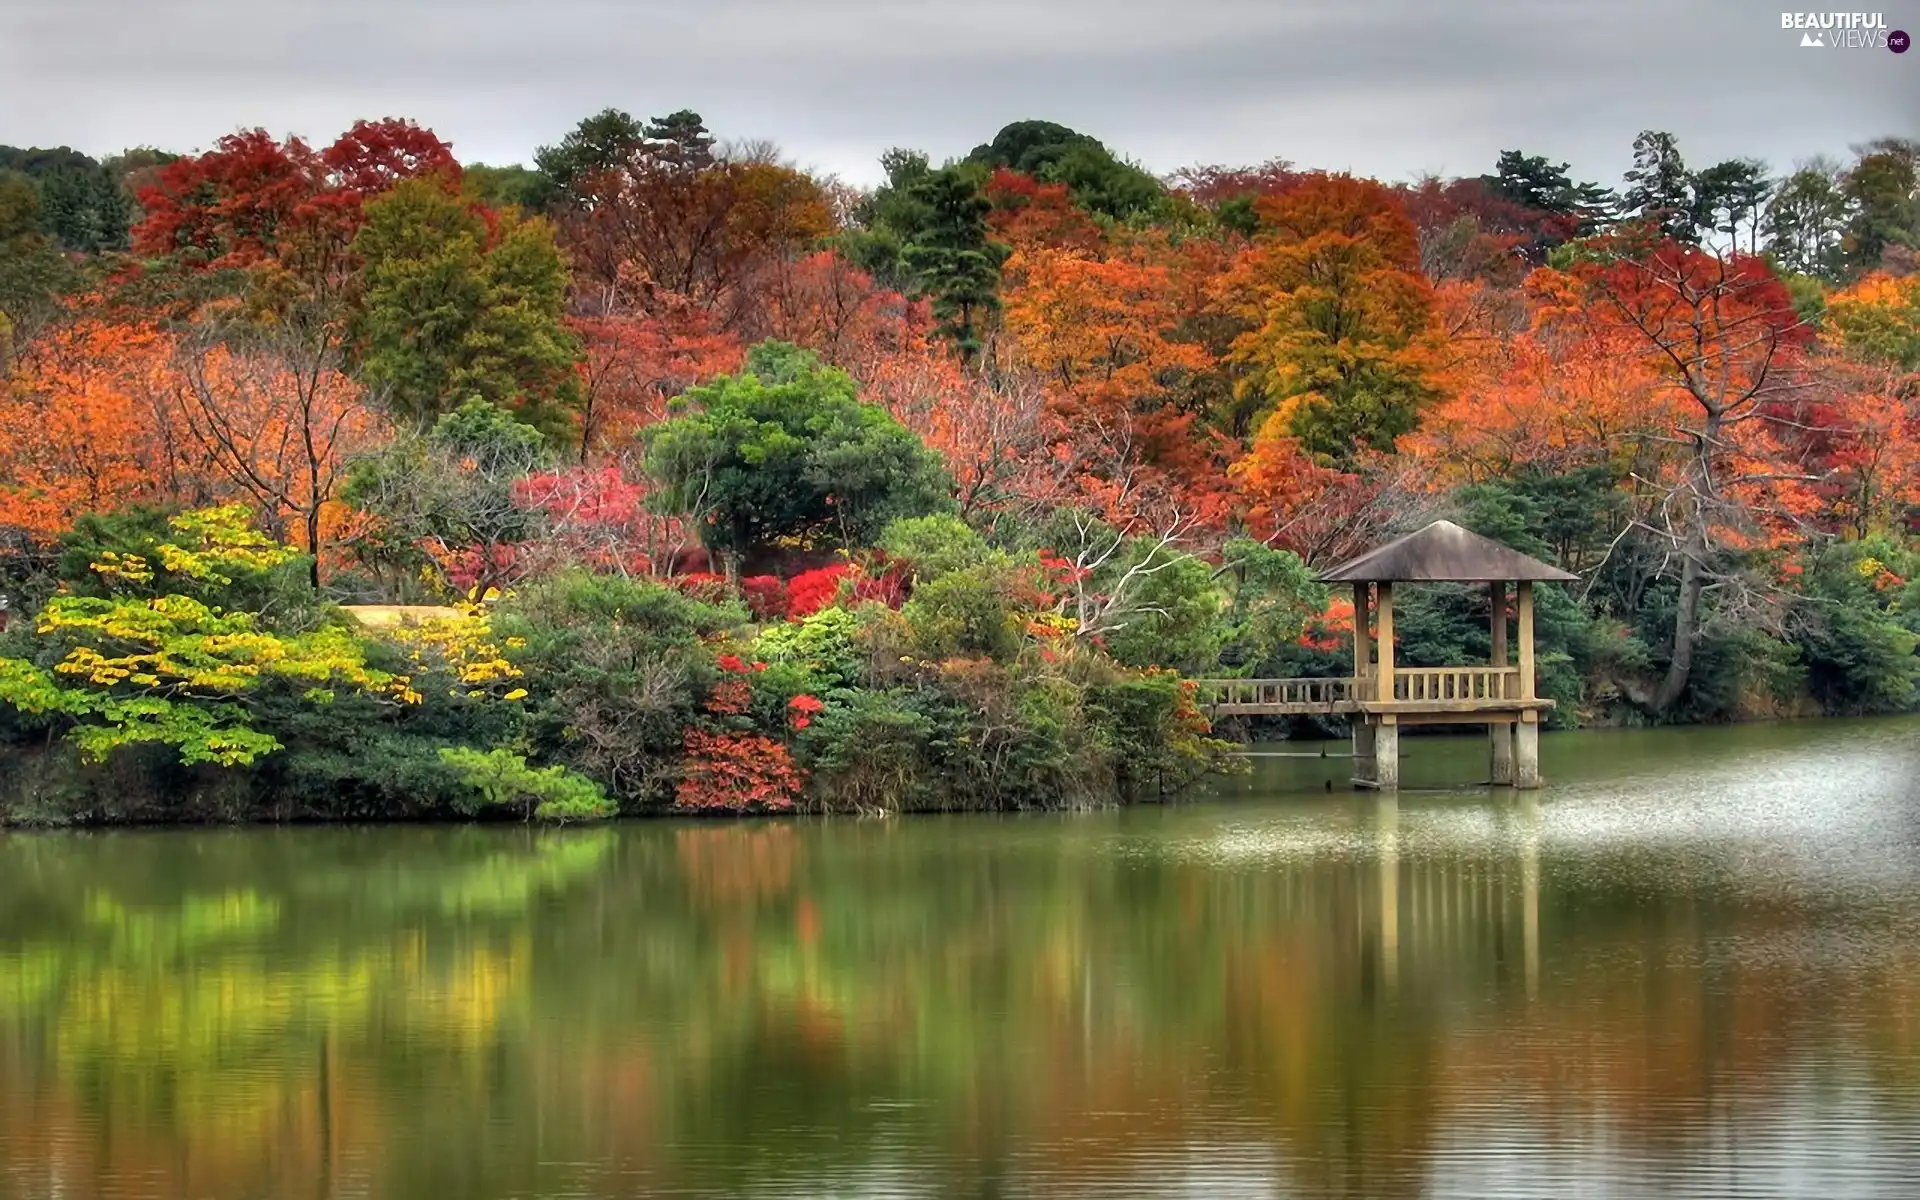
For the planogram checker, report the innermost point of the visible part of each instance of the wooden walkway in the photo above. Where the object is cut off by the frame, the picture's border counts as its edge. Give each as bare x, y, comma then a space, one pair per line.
1431, 692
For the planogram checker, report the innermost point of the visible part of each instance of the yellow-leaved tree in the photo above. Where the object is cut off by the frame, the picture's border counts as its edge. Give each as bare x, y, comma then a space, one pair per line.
150, 660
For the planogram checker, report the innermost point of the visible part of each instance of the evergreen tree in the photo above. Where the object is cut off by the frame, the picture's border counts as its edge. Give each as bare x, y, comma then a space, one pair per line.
450, 312
1882, 191
606, 140
1728, 197
680, 140
1660, 189
1804, 222
1531, 181
785, 451
112, 211
952, 259
1096, 179
887, 219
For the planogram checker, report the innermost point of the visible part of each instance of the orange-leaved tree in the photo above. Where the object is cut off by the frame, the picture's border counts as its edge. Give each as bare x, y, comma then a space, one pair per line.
271, 412
1727, 349
1342, 338
1101, 332
83, 427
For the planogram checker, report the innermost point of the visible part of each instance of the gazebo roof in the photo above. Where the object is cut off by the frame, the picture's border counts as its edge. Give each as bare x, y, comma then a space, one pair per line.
1444, 552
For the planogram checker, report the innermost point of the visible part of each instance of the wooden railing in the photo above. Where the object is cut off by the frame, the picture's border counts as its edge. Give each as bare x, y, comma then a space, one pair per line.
1227, 695
1437, 685
1441, 687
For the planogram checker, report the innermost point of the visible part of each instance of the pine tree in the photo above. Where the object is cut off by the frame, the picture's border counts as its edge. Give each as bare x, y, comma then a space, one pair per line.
1804, 222
1660, 188
680, 140
952, 259
1727, 197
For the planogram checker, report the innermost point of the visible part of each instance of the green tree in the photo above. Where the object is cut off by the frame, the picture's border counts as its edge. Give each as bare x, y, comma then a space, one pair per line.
1660, 188
452, 310
601, 142
1882, 190
785, 450
552, 793
148, 664
1096, 179
1805, 221
952, 259
681, 140
509, 186
887, 219
451, 492
33, 273
1728, 198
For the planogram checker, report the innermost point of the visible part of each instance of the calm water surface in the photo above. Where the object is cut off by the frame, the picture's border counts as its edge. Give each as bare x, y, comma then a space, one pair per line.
1689, 967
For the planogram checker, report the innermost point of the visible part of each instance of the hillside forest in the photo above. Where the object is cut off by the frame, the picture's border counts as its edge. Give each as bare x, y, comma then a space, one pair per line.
350, 481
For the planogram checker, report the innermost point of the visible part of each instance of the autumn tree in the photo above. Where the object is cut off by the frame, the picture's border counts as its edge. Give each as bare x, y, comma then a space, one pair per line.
1341, 325
252, 199
83, 427
152, 662
270, 408
989, 421
1028, 214
1724, 338
674, 216
1099, 330
454, 308
634, 360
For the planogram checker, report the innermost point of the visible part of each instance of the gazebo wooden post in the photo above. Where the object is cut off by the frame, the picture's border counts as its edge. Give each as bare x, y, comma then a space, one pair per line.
1526, 731
1499, 733
1362, 681
1386, 735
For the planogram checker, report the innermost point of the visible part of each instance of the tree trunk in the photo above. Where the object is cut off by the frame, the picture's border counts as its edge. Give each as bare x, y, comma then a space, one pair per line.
1686, 629
313, 547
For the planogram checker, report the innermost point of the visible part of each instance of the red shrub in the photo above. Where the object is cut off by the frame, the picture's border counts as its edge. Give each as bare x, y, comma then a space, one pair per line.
811, 591
803, 707
766, 597
889, 587
736, 772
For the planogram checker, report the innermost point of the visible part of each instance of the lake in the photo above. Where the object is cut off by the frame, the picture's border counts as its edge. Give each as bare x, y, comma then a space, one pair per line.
1689, 966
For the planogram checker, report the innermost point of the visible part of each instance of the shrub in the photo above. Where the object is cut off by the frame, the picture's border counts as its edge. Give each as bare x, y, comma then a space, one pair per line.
736, 772
501, 777
766, 597
967, 612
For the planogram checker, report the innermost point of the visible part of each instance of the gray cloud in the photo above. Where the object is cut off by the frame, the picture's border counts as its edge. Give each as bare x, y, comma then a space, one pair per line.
1392, 88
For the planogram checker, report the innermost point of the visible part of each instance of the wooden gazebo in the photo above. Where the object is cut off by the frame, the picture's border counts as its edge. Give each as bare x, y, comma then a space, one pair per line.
1381, 696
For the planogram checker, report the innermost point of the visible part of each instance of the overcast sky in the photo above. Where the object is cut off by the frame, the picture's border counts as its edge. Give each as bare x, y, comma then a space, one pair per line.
1384, 87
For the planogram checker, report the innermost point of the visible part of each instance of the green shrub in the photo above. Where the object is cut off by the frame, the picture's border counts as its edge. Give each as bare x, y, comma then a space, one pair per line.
966, 613
501, 777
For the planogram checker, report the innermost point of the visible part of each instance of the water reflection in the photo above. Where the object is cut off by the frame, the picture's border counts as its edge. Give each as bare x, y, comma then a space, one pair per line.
1705, 987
